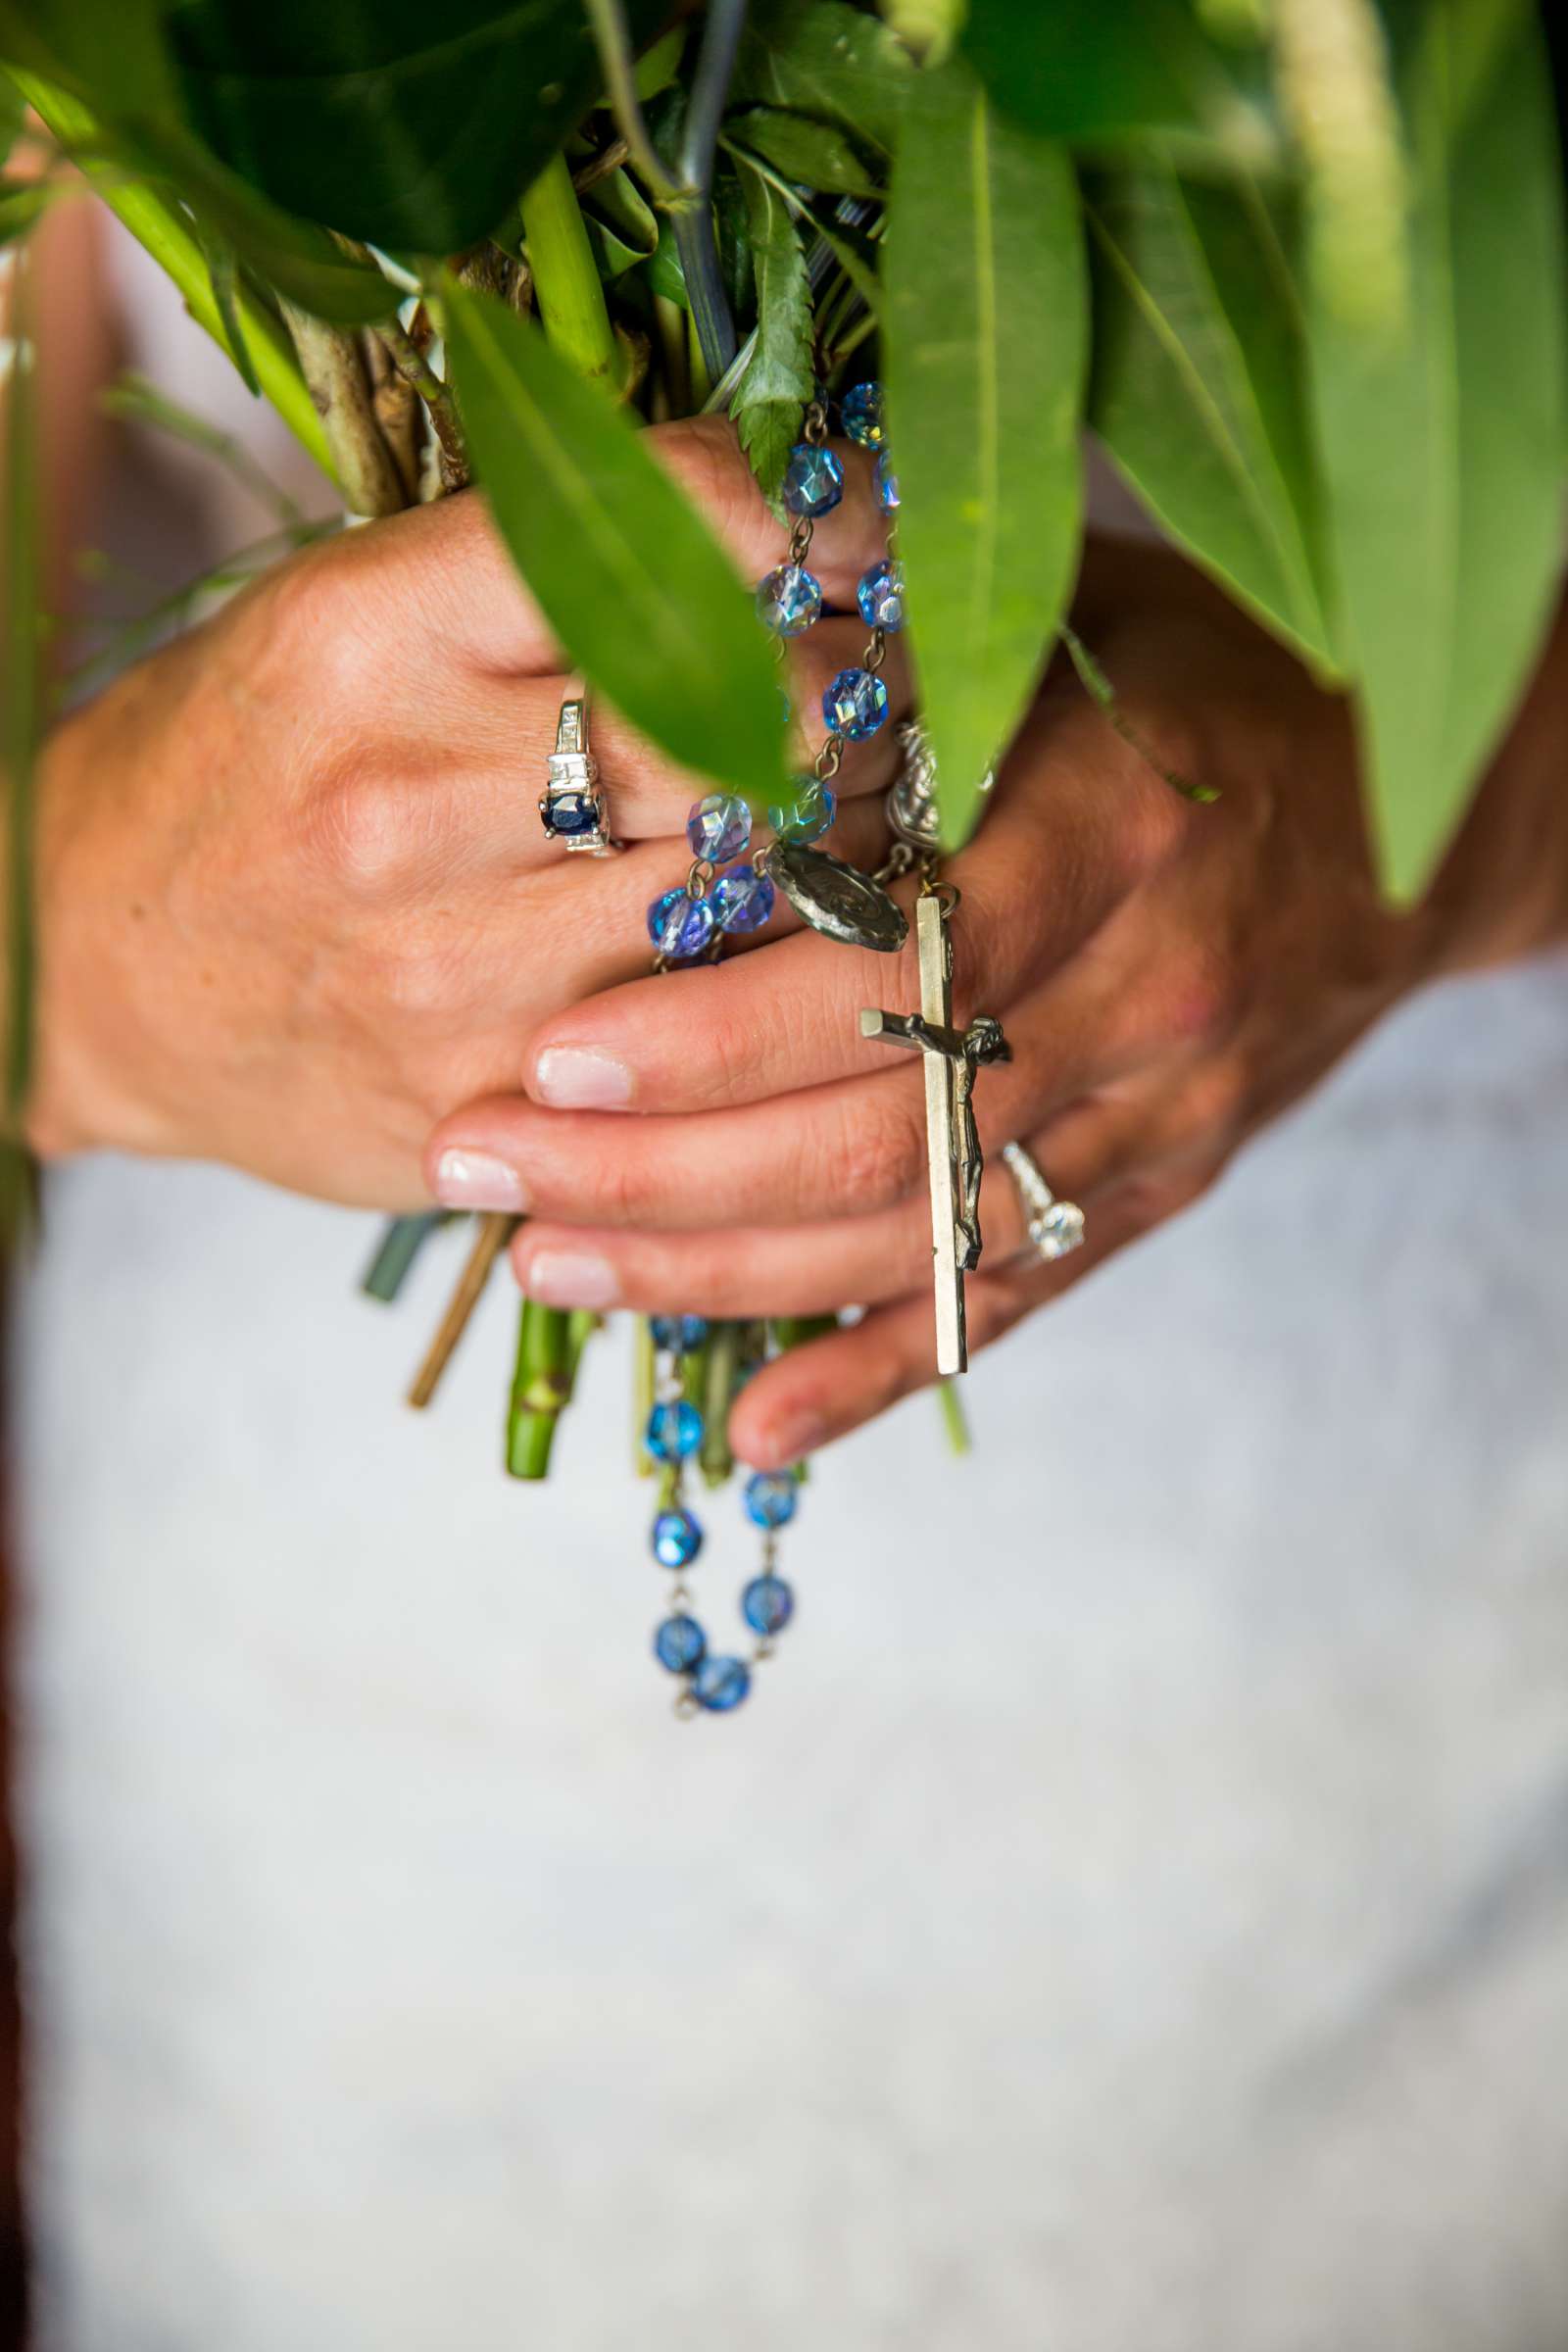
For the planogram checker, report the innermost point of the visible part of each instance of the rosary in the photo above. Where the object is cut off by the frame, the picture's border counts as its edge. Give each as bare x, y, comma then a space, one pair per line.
727, 891
690, 1372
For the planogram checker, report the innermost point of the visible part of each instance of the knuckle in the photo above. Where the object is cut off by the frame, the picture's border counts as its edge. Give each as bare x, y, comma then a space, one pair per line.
1198, 997
1214, 1100
1154, 824
366, 828
880, 1157
706, 455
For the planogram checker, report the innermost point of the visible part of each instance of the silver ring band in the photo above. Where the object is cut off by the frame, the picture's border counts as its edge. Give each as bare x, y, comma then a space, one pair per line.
1056, 1228
571, 805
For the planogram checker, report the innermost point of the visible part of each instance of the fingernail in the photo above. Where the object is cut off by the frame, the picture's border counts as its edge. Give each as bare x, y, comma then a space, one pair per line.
477, 1180
571, 1278
796, 1435
581, 1078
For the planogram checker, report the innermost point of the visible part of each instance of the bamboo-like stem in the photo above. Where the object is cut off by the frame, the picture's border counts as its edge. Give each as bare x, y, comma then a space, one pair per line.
440, 406
396, 407
400, 1244
496, 1229
334, 368
688, 195
642, 1396
159, 228
955, 1419
693, 218
565, 278
795, 1331
620, 82
541, 1386
720, 1368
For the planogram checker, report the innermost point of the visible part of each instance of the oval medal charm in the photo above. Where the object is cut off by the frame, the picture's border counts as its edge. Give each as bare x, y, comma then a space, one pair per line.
836, 899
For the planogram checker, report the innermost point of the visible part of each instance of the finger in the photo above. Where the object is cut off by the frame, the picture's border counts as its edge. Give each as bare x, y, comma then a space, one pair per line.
813, 1395
843, 1150
817, 1268
1042, 878
463, 600
508, 732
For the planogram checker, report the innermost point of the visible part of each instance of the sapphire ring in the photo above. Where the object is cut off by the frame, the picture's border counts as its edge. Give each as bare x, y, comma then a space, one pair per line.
571, 807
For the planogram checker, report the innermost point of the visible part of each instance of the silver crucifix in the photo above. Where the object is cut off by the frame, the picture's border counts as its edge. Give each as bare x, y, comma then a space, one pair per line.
954, 1157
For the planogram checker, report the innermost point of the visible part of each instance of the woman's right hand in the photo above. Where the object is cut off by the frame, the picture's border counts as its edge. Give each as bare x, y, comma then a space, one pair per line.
295, 901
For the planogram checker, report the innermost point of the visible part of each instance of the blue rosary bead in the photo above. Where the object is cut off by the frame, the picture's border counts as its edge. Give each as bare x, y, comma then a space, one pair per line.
676, 1539
743, 898
856, 703
679, 1334
887, 485
807, 813
813, 481
680, 1643
768, 1605
720, 827
720, 1684
789, 600
675, 1432
770, 1497
861, 412
680, 925
880, 595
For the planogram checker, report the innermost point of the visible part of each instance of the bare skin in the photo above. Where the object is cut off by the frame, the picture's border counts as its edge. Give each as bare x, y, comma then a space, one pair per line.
1170, 977
295, 899
297, 910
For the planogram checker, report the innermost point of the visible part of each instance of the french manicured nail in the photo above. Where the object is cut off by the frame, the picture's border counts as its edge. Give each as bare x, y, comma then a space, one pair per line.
477, 1180
796, 1434
571, 1278
582, 1078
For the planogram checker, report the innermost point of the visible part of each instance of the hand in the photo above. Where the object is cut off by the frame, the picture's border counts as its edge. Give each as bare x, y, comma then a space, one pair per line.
295, 898
1170, 976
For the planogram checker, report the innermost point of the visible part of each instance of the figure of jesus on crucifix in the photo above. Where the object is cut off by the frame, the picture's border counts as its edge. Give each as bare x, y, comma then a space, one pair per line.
953, 1057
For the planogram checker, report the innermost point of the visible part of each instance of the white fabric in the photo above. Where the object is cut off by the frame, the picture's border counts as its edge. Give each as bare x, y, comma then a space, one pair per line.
1130, 1915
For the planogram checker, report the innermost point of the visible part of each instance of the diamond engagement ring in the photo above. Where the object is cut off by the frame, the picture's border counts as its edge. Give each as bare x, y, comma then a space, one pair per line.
571, 807
1055, 1227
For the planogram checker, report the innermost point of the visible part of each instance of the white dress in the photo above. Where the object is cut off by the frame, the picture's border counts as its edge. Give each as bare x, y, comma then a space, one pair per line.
1130, 1915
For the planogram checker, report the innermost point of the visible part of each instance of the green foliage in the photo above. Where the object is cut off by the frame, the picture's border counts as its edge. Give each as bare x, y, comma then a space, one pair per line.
824, 60
1327, 337
987, 334
22, 205
1199, 387
401, 125
625, 571
815, 155
771, 395
1442, 438
1101, 73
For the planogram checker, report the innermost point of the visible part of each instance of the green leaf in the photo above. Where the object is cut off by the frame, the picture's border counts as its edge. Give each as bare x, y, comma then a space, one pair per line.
399, 124
1198, 388
22, 205
621, 225
987, 331
1441, 442
816, 154
222, 270
12, 107
1098, 72
771, 395
623, 567
827, 59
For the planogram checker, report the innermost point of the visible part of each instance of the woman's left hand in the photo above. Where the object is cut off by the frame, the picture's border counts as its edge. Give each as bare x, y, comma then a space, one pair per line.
1169, 975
